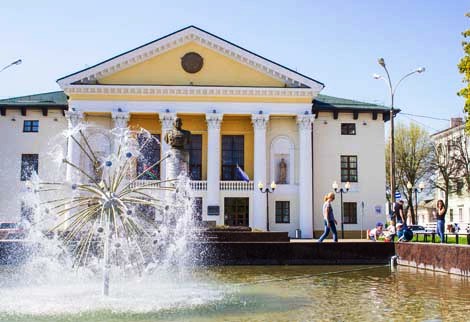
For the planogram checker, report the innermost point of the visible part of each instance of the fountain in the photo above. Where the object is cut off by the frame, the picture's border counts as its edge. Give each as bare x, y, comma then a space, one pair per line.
102, 216
109, 246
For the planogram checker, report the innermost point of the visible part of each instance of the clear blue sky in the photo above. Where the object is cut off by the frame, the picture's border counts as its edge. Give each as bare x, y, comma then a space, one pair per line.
336, 42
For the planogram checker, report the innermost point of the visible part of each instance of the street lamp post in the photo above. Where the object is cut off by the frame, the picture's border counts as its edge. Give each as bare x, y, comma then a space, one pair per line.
415, 190
346, 188
267, 191
393, 89
16, 62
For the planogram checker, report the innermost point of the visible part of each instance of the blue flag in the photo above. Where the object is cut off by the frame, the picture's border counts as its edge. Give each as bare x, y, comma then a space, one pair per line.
242, 174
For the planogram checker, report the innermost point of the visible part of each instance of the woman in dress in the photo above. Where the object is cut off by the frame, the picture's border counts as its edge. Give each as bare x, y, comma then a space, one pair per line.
329, 218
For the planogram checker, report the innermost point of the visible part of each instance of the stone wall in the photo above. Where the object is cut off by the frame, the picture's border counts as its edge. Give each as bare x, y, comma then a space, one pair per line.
454, 259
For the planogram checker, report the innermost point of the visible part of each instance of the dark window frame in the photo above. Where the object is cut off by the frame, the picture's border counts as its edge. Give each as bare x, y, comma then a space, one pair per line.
348, 129
30, 126
349, 165
195, 157
239, 210
282, 209
29, 163
350, 212
231, 152
156, 173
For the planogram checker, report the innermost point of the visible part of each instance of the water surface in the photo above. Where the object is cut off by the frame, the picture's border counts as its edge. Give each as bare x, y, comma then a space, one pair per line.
246, 293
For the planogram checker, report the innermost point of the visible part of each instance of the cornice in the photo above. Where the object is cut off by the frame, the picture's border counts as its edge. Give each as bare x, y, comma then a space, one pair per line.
142, 90
202, 38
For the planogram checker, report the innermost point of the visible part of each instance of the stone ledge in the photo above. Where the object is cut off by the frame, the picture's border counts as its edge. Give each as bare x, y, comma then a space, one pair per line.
453, 259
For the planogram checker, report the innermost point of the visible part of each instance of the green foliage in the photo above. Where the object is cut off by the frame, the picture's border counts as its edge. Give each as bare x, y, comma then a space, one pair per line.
464, 69
413, 151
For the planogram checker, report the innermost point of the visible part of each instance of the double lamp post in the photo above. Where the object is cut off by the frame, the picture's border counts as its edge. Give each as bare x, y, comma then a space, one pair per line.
393, 89
341, 190
267, 191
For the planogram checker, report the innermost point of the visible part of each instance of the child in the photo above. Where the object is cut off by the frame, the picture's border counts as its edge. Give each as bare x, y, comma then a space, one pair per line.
391, 232
376, 232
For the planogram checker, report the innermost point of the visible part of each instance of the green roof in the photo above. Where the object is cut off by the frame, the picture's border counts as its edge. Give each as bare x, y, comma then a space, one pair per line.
325, 102
50, 99
321, 102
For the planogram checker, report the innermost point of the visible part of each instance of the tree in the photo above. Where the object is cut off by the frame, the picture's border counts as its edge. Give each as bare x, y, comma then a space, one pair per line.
464, 69
461, 147
413, 151
445, 166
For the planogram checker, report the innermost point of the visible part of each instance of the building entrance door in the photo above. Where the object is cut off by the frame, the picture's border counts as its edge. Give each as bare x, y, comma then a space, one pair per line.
236, 211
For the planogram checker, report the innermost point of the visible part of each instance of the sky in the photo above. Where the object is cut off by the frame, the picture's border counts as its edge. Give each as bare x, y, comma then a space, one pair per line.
336, 42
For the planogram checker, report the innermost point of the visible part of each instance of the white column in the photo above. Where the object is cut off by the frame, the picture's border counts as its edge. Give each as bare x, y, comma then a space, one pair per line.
214, 120
304, 123
120, 120
74, 118
258, 217
167, 119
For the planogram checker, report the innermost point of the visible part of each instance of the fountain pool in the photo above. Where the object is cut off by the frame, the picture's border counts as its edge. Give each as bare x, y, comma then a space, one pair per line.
241, 293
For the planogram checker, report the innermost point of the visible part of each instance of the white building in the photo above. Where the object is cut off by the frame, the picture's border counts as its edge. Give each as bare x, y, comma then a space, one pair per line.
458, 208
241, 109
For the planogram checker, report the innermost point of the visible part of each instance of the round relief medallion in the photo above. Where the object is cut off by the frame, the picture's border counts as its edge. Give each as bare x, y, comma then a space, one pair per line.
192, 62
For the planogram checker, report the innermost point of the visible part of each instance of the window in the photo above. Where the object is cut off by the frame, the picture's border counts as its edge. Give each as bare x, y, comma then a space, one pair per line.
195, 157
31, 126
460, 214
459, 186
348, 128
451, 215
26, 212
348, 168
232, 155
350, 212
29, 164
197, 209
150, 154
282, 212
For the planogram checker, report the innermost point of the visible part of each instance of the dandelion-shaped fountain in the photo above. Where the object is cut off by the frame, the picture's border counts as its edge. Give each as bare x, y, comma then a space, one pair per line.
101, 219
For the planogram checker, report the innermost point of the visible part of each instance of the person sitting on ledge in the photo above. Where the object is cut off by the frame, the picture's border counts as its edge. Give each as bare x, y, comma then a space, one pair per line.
403, 233
390, 232
375, 233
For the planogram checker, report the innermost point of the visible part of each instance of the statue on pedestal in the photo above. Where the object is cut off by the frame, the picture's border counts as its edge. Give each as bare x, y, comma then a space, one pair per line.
177, 139
282, 171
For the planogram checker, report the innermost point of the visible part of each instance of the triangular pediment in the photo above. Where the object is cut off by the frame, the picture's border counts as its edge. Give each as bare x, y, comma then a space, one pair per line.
160, 63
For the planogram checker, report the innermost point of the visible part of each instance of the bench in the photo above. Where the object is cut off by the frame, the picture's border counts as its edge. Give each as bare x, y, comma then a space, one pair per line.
457, 234
426, 234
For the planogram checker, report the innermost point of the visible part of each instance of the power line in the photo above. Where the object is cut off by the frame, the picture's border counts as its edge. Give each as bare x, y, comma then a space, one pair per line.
420, 123
425, 116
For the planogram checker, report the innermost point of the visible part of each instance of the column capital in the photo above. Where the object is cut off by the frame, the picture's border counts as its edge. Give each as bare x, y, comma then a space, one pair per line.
214, 120
73, 117
120, 119
304, 121
259, 121
167, 119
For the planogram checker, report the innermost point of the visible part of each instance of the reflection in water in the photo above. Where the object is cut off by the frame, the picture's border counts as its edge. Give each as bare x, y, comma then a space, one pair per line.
273, 293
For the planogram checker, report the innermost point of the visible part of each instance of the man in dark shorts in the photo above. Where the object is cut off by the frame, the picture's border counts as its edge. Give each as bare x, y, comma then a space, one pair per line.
398, 215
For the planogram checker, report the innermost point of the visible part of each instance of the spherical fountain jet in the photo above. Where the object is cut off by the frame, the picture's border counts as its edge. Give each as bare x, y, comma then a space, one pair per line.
100, 208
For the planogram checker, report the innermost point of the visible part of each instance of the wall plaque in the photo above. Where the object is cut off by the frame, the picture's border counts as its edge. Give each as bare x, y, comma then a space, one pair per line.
192, 62
213, 210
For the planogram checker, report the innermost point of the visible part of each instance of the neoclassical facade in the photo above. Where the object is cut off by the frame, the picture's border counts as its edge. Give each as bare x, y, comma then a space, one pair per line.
243, 110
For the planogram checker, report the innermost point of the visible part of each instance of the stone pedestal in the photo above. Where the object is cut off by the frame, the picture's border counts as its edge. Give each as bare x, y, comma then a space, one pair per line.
177, 164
